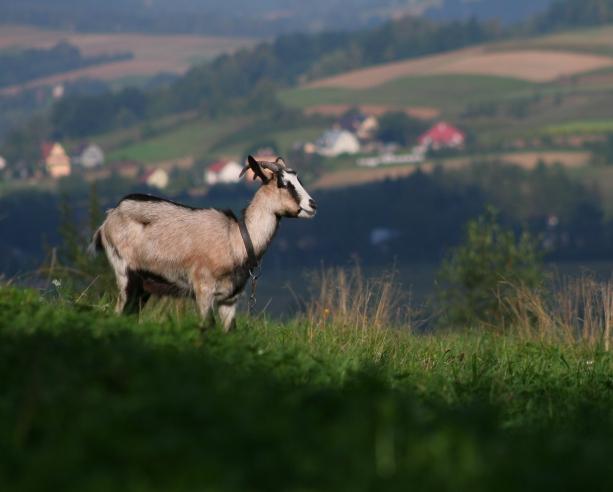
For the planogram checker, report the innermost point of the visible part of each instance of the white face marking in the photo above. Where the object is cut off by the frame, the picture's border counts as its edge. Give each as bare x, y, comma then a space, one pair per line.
306, 203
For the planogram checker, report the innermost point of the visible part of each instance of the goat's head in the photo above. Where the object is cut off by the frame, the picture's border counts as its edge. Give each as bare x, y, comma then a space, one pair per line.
284, 186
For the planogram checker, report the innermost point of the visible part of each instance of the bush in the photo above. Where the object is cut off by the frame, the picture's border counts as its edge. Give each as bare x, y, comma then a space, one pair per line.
478, 278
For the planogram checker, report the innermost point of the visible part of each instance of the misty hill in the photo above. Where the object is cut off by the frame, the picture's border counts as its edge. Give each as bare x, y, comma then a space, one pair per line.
232, 17
502, 10
246, 18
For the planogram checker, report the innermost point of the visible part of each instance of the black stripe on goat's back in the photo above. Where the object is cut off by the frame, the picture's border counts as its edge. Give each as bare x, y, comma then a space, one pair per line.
142, 197
228, 213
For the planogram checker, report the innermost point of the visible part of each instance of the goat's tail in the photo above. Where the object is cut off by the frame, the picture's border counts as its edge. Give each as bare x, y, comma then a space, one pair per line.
96, 245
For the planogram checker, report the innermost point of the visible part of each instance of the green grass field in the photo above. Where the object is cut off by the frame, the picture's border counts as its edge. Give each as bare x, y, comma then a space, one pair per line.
210, 138
190, 138
445, 92
589, 127
91, 401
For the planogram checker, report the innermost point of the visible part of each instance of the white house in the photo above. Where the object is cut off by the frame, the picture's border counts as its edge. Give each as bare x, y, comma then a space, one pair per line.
223, 171
336, 142
89, 156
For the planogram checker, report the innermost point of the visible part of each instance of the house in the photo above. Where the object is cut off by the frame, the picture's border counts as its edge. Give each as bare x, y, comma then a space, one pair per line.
155, 178
442, 136
57, 162
223, 171
336, 142
362, 125
88, 156
127, 169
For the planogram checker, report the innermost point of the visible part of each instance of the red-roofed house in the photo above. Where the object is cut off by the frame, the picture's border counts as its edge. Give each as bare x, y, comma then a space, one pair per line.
442, 136
223, 171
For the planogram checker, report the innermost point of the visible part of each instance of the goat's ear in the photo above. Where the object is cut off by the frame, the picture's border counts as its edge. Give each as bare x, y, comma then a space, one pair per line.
280, 161
257, 169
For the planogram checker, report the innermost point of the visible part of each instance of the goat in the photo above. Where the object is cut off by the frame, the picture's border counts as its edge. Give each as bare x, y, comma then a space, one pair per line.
157, 246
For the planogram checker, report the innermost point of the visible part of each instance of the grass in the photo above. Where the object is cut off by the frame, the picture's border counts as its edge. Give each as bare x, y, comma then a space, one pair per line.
207, 137
238, 143
192, 138
581, 127
92, 401
446, 92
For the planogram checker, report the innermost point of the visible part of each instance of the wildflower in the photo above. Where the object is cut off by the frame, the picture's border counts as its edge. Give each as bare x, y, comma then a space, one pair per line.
57, 283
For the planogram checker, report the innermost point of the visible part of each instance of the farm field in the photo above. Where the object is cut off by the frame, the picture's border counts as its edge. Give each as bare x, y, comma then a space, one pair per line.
207, 138
152, 53
483, 88
582, 127
529, 65
92, 401
190, 139
441, 92
346, 173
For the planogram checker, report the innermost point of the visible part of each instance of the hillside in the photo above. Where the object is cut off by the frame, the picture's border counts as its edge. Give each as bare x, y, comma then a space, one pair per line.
502, 88
255, 18
500, 10
155, 405
149, 55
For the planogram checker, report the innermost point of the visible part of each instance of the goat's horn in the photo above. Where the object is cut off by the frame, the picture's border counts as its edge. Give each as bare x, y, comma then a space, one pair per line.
273, 166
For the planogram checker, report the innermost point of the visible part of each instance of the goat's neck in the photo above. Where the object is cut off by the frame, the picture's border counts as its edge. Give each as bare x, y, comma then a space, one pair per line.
261, 221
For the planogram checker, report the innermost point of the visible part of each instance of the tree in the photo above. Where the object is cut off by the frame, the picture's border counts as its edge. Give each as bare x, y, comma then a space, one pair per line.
398, 127
484, 273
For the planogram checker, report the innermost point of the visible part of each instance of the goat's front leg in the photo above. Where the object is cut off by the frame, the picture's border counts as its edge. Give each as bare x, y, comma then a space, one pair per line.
204, 300
227, 313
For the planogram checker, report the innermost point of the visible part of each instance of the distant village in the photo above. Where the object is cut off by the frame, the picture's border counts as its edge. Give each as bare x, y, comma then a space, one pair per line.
352, 134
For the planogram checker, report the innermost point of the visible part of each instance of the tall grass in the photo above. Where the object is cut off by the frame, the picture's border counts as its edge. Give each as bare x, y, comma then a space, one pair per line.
347, 299
344, 302
576, 310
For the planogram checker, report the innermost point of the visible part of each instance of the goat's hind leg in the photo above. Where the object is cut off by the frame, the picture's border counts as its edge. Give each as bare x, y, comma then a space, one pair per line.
132, 296
122, 285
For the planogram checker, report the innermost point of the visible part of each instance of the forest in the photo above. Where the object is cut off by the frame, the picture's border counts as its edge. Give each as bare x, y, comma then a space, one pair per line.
406, 221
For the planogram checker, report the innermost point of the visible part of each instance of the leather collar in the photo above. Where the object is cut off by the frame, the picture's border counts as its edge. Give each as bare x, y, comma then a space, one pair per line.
252, 259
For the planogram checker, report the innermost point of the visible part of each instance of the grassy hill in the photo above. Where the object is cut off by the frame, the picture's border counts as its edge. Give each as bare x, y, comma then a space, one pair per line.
495, 108
499, 88
92, 401
446, 93
207, 138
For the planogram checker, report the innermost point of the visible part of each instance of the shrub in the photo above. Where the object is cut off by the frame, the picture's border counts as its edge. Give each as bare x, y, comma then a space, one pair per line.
478, 278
